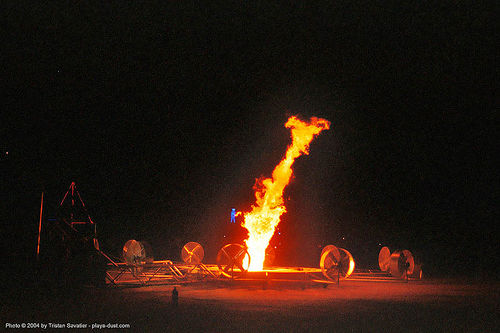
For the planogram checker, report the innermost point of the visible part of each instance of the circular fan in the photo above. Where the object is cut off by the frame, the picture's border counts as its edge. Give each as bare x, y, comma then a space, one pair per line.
330, 262
401, 263
133, 252
233, 260
384, 259
192, 253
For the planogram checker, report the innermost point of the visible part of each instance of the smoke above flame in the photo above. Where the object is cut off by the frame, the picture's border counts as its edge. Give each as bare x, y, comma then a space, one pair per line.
269, 205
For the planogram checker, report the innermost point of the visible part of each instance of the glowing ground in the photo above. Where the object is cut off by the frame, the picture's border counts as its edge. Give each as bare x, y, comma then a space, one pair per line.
426, 306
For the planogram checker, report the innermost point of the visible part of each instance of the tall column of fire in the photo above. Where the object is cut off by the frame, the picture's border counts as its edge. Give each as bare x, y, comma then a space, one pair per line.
262, 220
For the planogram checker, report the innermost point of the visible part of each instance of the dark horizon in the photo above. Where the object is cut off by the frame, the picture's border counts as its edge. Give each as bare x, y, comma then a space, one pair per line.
165, 114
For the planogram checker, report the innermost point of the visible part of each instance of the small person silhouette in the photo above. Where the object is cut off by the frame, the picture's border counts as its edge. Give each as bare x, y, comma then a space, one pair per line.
233, 215
175, 297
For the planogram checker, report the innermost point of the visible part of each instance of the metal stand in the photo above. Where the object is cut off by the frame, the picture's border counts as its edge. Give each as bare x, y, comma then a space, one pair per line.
72, 190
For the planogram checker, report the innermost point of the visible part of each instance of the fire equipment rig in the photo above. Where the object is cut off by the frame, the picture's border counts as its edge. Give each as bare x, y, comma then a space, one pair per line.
73, 251
233, 260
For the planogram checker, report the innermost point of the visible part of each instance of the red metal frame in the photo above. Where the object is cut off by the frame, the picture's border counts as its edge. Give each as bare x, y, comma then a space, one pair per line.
72, 222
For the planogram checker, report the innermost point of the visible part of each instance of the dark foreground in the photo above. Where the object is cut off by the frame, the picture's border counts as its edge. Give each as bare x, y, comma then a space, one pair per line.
426, 306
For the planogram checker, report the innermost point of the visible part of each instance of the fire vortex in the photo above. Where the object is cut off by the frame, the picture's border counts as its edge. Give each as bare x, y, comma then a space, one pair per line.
265, 215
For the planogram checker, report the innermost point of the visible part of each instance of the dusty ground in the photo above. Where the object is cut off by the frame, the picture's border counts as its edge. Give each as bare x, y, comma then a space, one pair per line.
427, 306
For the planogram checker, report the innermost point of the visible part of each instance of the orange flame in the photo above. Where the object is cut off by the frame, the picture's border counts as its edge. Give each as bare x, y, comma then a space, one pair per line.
269, 206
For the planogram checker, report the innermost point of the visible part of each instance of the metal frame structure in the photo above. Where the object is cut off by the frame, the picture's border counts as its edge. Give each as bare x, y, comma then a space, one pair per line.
336, 265
72, 191
140, 268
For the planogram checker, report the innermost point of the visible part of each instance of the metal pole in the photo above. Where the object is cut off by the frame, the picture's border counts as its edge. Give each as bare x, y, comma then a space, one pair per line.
39, 230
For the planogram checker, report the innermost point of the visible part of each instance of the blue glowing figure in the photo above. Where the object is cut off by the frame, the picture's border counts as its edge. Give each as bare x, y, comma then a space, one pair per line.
233, 215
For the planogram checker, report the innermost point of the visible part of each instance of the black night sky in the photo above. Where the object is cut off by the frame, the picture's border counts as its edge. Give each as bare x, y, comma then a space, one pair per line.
164, 113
